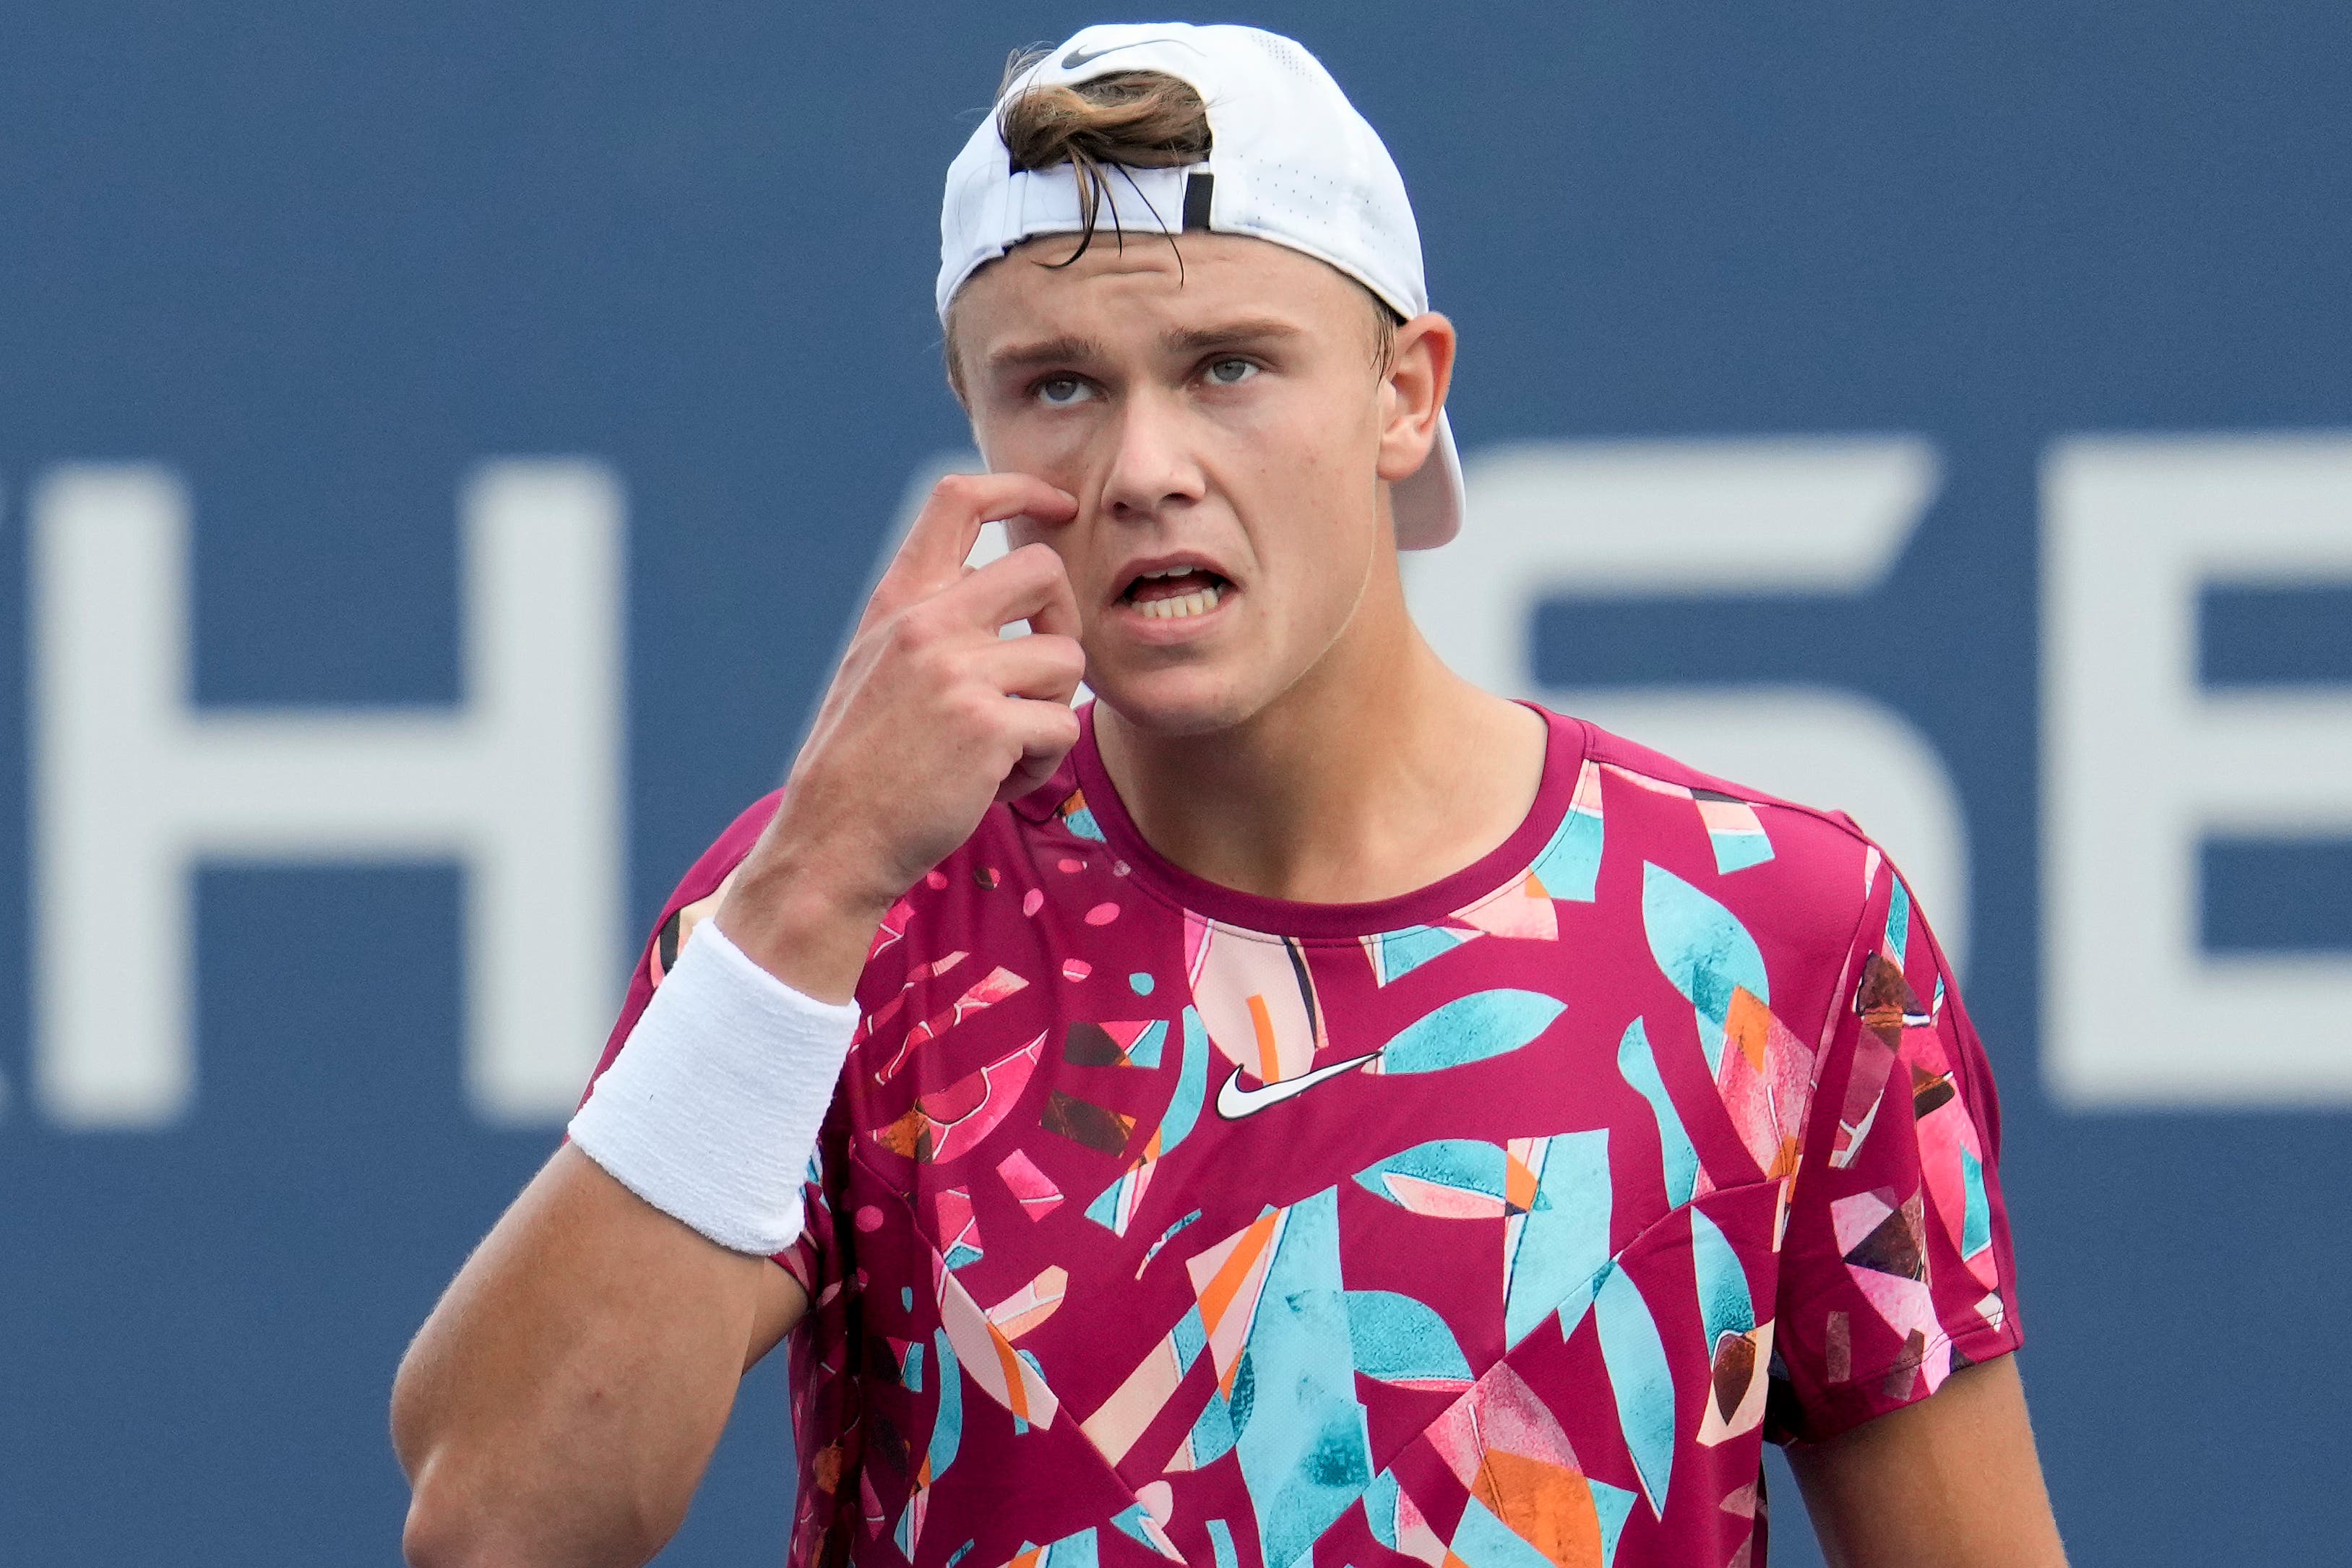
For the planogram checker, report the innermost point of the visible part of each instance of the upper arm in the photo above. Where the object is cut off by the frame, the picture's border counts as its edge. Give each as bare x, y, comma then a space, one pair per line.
1951, 1482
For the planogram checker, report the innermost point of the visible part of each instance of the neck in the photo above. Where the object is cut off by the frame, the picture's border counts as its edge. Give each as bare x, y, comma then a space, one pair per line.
1378, 772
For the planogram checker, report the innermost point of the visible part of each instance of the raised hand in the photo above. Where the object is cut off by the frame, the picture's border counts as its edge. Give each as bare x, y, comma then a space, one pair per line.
931, 717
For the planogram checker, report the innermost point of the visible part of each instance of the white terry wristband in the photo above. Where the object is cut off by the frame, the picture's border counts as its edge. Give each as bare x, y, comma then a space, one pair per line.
710, 1112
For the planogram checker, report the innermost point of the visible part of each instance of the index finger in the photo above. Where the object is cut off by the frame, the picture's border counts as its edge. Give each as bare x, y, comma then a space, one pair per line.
1028, 584
944, 531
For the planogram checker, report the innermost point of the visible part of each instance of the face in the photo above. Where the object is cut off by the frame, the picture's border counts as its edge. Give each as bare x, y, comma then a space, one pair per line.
1220, 418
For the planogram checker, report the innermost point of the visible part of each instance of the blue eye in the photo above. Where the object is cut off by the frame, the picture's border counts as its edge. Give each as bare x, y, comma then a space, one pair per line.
1061, 391
1229, 372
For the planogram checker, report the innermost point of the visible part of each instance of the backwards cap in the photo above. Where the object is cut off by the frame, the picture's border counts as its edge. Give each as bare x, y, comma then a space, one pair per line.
1290, 160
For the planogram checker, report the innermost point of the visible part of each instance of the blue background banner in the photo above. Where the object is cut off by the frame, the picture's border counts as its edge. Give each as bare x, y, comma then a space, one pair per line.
320, 264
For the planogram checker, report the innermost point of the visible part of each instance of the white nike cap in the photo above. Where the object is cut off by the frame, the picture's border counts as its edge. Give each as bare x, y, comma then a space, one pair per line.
1290, 160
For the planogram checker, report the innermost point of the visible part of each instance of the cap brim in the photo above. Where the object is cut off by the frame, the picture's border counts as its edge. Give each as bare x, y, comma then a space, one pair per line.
1428, 504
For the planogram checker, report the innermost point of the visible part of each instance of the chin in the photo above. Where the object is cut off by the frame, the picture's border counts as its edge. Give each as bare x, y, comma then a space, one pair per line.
1179, 701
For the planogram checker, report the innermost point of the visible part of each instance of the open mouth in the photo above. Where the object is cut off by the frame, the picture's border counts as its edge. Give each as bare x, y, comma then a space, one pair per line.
1176, 594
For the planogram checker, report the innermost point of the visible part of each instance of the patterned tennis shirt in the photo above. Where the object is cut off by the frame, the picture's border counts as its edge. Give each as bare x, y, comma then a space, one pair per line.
1499, 1223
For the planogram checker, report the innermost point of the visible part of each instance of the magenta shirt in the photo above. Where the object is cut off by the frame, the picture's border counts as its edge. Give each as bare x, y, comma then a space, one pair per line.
1501, 1222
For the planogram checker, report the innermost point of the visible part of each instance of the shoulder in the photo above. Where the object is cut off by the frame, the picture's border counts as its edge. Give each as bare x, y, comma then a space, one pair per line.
1812, 832
1797, 879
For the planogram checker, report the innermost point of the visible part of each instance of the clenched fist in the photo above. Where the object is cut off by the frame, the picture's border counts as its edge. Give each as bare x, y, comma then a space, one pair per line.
931, 717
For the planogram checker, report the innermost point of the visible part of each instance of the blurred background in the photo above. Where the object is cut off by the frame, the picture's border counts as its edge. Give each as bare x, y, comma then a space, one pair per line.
441, 449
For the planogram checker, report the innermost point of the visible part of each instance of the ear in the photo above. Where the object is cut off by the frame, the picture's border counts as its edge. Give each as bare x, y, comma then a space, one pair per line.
1412, 394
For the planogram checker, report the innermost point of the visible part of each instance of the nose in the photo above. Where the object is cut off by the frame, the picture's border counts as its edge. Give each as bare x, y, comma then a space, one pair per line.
1153, 466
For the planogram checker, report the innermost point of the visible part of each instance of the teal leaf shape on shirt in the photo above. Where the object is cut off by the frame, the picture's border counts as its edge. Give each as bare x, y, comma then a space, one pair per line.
1638, 1063
1724, 1303
1473, 1028
1400, 1340
1704, 950
1640, 1380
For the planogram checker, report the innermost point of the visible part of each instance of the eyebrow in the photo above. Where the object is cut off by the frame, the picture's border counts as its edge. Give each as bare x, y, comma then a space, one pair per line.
1052, 351
1228, 334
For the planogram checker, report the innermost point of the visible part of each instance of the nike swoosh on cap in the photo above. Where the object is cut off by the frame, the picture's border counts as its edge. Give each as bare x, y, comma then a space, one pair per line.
1077, 58
1233, 1102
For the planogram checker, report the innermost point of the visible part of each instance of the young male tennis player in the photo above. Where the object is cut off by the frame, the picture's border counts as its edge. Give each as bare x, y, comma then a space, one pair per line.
1298, 1109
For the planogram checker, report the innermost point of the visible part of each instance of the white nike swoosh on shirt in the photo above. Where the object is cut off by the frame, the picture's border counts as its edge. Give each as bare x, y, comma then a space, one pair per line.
1233, 1102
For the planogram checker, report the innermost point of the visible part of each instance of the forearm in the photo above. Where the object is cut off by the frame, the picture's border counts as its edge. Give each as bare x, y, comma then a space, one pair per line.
562, 1400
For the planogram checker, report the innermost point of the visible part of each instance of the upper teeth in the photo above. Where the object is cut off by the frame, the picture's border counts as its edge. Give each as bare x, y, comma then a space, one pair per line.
1172, 571
1199, 602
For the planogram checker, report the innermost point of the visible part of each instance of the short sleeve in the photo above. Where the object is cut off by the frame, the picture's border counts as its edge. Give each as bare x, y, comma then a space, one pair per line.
1896, 1267
696, 895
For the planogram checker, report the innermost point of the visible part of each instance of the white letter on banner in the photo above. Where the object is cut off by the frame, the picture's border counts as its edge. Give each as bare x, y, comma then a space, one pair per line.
1735, 518
133, 785
2139, 765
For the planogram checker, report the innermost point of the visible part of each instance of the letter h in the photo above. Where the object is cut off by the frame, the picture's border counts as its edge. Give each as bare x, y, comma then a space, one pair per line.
519, 784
